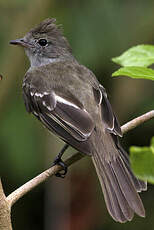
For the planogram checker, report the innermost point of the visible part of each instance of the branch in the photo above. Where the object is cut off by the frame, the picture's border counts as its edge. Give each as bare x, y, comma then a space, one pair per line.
18, 193
7, 202
21, 191
5, 213
137, 121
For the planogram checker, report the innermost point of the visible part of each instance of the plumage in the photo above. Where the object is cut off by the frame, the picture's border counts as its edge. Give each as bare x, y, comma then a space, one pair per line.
67, 98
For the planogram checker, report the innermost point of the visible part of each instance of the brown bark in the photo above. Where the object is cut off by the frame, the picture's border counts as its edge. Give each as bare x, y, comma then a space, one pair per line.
5, 211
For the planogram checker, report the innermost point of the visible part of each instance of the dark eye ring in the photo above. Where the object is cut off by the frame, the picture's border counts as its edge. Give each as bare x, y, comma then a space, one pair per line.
42, 42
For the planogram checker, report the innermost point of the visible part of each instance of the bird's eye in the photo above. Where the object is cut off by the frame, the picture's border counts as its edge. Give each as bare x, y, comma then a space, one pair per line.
42, 42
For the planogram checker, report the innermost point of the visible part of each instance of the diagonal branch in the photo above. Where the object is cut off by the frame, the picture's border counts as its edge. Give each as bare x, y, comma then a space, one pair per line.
137, 121
18, 193
21, 191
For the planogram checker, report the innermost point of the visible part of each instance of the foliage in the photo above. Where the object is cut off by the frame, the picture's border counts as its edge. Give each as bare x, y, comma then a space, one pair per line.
135, 62
142, 162
140, 55
135, 72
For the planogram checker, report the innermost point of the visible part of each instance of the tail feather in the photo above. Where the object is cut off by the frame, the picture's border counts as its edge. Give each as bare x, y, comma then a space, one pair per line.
119, 185
128, 187
117, 205
112, 201
139, 185
114, 184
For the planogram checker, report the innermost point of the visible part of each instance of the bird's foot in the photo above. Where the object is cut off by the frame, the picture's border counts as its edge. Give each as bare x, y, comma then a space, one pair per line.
58, 161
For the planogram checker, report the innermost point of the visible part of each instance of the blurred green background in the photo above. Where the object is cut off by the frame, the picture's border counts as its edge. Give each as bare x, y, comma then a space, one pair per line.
97, 31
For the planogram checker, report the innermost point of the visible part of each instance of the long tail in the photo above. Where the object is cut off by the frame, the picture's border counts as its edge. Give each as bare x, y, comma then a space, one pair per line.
119, 185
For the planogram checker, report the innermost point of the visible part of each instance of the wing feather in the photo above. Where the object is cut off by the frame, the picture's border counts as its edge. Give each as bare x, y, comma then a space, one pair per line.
109, 119
62, 116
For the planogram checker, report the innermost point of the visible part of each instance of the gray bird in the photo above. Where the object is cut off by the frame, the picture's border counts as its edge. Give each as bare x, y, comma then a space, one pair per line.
68, 99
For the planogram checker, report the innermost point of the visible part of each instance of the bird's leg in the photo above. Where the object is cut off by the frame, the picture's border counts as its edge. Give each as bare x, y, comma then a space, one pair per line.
58, 161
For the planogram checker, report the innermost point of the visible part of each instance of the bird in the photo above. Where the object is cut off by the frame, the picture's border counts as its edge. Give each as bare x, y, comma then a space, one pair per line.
69, 101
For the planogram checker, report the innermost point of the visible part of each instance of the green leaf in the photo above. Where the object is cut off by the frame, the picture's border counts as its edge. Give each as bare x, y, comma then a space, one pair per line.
135, 72
142, 162
141, 55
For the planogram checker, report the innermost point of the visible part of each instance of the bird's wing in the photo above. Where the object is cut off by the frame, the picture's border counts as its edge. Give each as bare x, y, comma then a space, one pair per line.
108, 117
65, 117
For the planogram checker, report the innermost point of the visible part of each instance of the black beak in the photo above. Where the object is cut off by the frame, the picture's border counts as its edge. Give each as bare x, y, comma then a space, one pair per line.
20, 42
